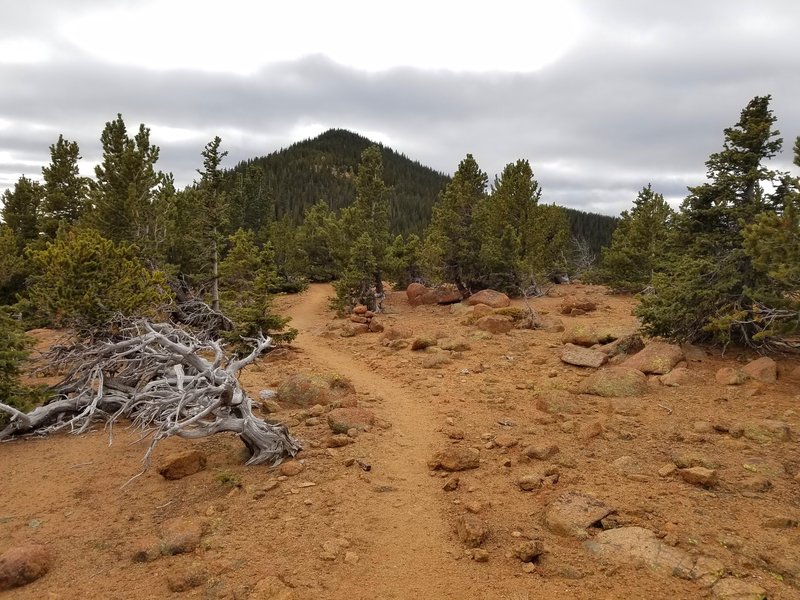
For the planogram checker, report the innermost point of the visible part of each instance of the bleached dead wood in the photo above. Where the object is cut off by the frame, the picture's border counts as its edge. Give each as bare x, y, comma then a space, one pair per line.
165, 382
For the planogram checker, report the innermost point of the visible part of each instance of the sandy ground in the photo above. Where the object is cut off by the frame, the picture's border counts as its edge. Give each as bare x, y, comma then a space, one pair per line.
397, 521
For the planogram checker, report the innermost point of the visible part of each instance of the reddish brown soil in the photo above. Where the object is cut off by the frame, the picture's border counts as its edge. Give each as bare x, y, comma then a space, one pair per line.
65, 491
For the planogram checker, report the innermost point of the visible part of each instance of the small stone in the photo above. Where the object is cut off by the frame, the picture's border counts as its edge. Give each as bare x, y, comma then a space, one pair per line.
572, 512
530, 482
780, 523
21, 565
473, 506
338, 440
699, 476
471, 530
184, 580
351, 558
291, 468
529, 551
730, 376
146, 549
183, 464
180, 536
421, 343
451, 485
756, 483
480, 555
703, 427
312, 421
454, 433
731, 588
528, 567
505, 440
541, 451
591, 431
667, 470
455, 458
582, 357
271, 588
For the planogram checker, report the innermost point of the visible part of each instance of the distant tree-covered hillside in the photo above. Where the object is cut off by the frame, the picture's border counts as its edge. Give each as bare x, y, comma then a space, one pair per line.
291, 180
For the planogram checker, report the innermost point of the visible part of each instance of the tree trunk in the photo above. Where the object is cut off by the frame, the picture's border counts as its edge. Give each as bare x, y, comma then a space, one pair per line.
461, 287
379, 293
215, 274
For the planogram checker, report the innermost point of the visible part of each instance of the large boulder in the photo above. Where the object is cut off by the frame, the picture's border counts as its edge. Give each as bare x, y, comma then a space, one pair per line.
455, 458
730, 376
182, 464
342, 420
615, 382
626, 344
21, 565
572, 512
414, 292
307, 390
489, 297
657, 358
419, 294
577, 305
581, 335
582, 357
762, 369
495, 324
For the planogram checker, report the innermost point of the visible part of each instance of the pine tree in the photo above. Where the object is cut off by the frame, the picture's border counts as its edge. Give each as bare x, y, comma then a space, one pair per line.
638, 244
320, 244
214, 207
84, 280
65, 190
14, 346
451, 248
369, 213
13, 267
356, 284
403, 260
126, 184
21, 209
709, 286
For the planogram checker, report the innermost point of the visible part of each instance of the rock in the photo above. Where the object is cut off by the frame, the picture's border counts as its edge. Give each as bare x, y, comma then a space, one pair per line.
557, 402
762, 369
180, 536
146, 549
351, 558
341, 420
541, 451
358, 319
307, 390
624, 345
480, 310
271, 588
414, 293
331, 548
421, 343
591, 430
316, 411
312, 421
730, 376
456, 344
582, 304
375, 325
270, 406
490, 298
627, 465
454, 433
471, 530
528, 551
549, 324
505, 440
360, 309
185, 579
732, 588
530, 482
451, 485
657, 358
338, 440
693, 353
572, 512
480, 555
396, 333
687, 460
765, 431
581, 335
455, 458
615, 382
21, 565
290, 468
582, 357
780, 523
182, 464
676, 377
435, 361
639, 546
352, 329
667, 470
495, 324
699, 476
756, 483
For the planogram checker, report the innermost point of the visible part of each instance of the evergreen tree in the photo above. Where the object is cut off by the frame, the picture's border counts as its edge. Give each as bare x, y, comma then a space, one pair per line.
13, 268
281, 236
65, 190
355, 286
21, 208
369, 213
320, 244
451, 248
247, 275
547, 245
14, 345
214, 207
638, 244
126, 184
84, 280
709, 286
403, 259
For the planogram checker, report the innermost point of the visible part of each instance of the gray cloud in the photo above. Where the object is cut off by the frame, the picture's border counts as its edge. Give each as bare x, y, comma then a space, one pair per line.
609, 117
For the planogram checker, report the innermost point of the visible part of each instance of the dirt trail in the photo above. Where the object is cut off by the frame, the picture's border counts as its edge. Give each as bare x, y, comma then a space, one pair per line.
410, 539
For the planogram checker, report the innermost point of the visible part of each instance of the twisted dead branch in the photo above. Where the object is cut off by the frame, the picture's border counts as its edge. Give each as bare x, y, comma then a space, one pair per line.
165, 382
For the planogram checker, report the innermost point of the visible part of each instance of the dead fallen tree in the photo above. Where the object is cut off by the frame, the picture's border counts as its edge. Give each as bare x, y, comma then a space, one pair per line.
164, 382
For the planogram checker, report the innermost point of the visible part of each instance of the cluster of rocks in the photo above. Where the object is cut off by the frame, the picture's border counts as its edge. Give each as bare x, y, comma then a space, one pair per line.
362, 320
418, 294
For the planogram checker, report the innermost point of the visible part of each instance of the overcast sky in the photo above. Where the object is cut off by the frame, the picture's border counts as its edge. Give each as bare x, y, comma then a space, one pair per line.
602, 96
